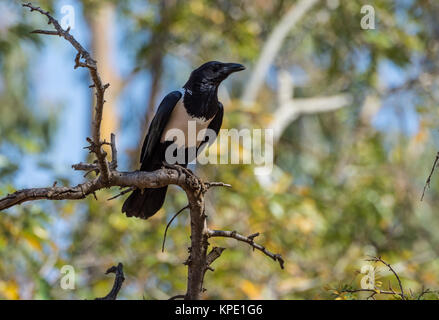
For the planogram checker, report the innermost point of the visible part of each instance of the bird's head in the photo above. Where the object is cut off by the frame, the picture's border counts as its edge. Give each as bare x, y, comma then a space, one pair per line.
211, 74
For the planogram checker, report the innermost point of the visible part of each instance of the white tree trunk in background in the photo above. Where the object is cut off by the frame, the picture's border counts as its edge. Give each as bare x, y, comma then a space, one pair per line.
272, 47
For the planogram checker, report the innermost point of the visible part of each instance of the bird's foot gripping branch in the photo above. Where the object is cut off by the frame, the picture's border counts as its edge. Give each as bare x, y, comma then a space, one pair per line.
107, 175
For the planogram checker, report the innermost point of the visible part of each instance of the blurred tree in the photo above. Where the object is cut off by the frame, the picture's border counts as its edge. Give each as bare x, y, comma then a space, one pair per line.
24, 131
21, 129
101, 16
345, 184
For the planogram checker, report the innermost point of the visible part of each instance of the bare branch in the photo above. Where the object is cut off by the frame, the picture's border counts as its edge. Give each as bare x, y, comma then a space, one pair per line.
250, 241
118, 281
374, 291
48, 32
424, 292
113, 164
427, 183
94, 167
95, 143
122, 193
51, 193
169, 223
85, 166
217, 184
178, 296
137, 179
378, 259
214, 254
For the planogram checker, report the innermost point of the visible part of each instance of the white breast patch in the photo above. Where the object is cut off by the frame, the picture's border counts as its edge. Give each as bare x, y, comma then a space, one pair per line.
184, 129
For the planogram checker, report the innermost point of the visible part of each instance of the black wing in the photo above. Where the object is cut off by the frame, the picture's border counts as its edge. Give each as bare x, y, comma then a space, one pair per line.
158, 124
214, 125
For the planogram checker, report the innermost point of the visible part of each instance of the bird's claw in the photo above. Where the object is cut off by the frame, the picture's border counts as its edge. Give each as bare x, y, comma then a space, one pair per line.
179, 168
191, 178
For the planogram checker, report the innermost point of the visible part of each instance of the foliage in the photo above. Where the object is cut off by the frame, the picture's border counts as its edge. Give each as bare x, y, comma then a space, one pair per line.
342, 188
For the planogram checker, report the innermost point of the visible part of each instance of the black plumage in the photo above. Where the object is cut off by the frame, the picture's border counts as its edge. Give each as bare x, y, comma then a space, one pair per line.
200, 103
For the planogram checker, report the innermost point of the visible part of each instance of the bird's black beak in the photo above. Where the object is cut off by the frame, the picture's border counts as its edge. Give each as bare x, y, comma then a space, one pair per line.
229, 68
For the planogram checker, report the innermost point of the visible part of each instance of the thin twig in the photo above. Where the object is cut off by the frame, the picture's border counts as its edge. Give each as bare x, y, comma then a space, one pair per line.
121, 193
423, 292
373, 291
48, 32
249, 240
217, 184
427, 183
378, 259
117, 285
113, 163
169, 223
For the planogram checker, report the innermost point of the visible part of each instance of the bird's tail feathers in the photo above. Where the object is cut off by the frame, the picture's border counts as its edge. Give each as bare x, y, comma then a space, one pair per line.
144, 204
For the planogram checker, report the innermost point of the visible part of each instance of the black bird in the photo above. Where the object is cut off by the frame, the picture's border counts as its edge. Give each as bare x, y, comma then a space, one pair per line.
200, 103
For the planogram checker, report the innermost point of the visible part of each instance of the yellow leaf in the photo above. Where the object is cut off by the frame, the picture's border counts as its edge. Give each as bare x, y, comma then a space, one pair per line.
251, 290
33, 242
10, 290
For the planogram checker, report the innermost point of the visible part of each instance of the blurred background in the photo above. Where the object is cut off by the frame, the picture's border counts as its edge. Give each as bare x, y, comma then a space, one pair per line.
355, 114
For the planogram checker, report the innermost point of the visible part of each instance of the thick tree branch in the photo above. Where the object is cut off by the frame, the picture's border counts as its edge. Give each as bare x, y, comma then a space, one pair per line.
198, 251
138, 179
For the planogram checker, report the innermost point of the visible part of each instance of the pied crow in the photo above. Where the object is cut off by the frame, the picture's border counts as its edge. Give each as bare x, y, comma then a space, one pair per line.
198, 104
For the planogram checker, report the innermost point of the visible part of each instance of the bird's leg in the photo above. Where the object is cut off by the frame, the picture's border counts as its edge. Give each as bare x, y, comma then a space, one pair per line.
191, 178
189, 171
179, 168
